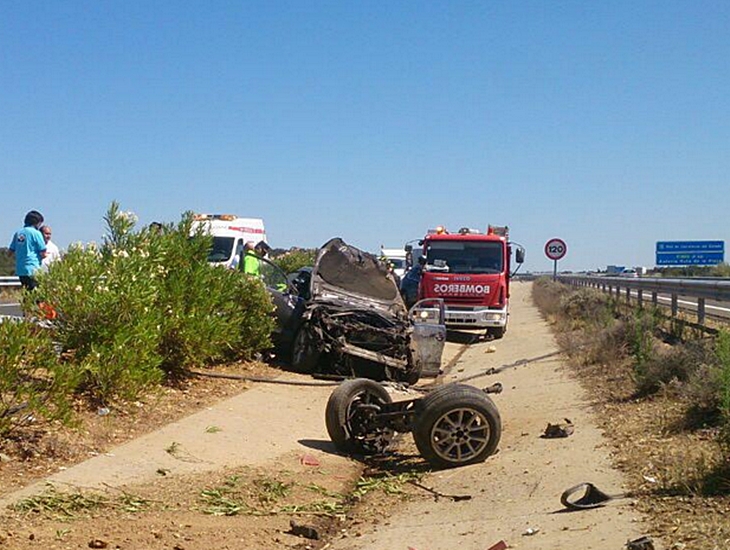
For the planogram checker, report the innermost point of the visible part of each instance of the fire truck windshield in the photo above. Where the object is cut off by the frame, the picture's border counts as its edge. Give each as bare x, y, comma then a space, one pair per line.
464, 256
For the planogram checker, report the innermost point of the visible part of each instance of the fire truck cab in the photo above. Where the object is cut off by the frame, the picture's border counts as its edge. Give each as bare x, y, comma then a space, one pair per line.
470, 271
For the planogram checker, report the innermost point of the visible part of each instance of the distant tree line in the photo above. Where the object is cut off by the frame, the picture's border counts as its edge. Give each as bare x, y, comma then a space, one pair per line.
7, 263
720, 270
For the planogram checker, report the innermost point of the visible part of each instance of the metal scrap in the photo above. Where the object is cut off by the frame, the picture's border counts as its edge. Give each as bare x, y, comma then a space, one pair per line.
553, 431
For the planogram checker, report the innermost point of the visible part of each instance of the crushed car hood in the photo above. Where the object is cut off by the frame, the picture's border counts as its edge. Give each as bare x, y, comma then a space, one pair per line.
347, 276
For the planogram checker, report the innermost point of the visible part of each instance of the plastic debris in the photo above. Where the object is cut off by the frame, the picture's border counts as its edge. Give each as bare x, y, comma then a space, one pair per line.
531, 531
553, 431
642, 543
309, 460
501, 545
303, 530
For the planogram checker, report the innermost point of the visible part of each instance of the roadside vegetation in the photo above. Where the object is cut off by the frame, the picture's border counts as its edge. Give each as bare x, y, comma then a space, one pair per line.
296, 258
662, 390
124, 316
7, 263
720, 270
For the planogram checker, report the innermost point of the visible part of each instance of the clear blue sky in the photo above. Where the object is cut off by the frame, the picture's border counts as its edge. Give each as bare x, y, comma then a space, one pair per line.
604, 123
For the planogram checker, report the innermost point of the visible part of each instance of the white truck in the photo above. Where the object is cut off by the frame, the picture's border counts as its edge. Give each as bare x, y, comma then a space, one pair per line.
230, 233
397, 257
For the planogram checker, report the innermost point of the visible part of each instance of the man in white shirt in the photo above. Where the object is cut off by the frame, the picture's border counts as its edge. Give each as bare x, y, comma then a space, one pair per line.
52, 253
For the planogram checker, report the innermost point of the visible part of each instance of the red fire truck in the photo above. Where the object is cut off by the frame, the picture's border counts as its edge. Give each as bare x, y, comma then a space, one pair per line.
470, 270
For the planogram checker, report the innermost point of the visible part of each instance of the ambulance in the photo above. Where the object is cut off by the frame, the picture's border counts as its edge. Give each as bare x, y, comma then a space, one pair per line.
230, 233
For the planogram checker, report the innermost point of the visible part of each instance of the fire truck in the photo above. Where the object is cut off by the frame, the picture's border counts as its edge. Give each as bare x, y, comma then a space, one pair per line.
470, 270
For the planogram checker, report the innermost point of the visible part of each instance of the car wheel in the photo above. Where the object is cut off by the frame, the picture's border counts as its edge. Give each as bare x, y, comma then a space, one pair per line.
304, 356
457, 425
349, 417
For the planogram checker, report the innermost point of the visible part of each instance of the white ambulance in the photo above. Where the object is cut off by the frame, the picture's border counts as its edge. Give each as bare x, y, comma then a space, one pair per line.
229, 233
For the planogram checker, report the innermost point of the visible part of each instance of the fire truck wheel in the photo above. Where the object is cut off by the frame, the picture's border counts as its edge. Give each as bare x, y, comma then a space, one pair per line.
304, 356
497, 332
350, 417
456, 426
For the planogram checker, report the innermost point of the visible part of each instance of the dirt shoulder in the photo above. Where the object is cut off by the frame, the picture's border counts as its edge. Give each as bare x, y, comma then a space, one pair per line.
515, 495
263, 457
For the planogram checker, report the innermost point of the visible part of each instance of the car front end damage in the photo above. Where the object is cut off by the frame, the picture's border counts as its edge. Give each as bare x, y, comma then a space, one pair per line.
356, 323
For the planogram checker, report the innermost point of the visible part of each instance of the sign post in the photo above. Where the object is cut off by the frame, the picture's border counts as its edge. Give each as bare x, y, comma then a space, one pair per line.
555, 249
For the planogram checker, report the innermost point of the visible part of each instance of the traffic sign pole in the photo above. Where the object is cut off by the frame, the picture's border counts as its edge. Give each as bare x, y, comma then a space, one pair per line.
555, 249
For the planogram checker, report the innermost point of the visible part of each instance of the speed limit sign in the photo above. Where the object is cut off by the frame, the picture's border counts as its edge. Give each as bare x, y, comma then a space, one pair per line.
555, 249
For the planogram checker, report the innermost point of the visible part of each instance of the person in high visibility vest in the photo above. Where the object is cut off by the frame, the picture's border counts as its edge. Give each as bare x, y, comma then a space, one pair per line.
251, 264
251, 257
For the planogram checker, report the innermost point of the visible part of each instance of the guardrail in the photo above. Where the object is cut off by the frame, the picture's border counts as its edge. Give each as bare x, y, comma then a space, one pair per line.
701, 290
9, 281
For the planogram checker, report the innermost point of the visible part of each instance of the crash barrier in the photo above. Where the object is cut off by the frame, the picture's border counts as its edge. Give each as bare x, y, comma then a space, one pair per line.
694, 293
9, 281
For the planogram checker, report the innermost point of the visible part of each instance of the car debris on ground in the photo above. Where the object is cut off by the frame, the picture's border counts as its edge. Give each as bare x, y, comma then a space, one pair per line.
555, 431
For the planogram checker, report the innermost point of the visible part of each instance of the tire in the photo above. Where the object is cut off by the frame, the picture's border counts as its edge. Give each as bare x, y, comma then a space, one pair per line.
350, 426
497, 332
304, 358
457, 425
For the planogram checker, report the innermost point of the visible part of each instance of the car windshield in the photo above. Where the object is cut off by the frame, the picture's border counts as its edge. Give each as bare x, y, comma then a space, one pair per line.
397, 263
465, 256
221, 249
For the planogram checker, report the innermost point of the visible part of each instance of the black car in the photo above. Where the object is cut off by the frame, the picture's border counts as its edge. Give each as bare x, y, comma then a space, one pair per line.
351, 320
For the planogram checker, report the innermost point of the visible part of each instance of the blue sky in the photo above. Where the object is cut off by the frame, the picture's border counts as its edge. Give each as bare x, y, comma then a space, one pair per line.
606, 124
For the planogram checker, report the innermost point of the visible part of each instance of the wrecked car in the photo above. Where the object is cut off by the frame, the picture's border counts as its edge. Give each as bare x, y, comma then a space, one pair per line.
353, 322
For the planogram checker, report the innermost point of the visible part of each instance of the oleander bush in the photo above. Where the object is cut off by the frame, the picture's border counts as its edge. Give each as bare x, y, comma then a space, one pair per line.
145, 305
296, 258
32, 378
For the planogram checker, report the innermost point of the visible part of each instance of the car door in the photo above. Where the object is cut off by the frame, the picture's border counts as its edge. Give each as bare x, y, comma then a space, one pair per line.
288, 305
429, 335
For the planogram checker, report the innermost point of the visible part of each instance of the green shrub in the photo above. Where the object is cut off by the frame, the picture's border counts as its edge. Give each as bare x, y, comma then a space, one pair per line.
678, 363
722, 352
32, 379
146, 303
295, 259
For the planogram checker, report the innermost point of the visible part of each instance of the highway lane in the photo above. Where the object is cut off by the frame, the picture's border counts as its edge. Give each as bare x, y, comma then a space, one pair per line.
715, 309
10, 309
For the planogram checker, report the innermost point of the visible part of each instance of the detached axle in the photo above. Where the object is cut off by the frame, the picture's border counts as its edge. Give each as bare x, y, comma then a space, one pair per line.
453, 425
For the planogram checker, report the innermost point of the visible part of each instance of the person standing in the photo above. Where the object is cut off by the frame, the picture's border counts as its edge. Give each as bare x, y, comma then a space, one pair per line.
52, 253
29, 249
251, 264
252, 257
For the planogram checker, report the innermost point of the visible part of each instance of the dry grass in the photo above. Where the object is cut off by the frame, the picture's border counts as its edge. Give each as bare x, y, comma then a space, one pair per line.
665, 440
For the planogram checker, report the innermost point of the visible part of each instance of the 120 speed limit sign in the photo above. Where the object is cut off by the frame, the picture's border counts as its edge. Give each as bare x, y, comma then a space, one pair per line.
555, 249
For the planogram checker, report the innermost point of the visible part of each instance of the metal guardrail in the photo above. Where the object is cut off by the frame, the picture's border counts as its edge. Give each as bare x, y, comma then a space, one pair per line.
9, 281
698, 289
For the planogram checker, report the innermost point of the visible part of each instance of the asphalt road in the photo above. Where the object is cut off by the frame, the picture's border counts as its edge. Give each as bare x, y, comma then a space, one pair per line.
10, 309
